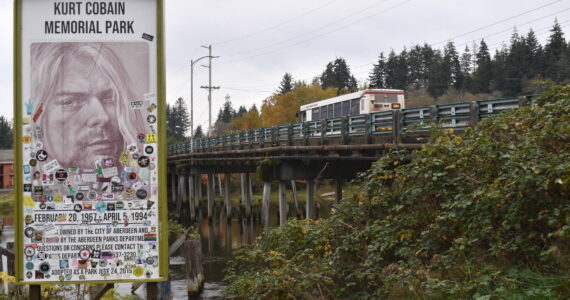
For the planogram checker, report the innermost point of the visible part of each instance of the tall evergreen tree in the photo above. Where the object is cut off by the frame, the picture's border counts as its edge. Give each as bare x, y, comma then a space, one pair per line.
378, 74
286, 84
181, 119
241, 110
397, 70
6, 134
198, 132
534, 54
452, 65
515, 66
227, 111
337, 74
438, 76
483, 72
553, 51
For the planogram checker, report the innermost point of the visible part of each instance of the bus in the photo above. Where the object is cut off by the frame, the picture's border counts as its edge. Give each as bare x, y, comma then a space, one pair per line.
361, 102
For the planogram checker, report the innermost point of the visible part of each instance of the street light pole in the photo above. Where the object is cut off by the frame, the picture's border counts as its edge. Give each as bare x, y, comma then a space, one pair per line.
210, 87
192, 62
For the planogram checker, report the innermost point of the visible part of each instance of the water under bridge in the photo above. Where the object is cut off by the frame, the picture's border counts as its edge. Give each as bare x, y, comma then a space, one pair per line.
335, 148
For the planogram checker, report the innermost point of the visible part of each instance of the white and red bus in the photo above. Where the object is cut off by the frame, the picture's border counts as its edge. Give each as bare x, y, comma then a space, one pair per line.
361, 102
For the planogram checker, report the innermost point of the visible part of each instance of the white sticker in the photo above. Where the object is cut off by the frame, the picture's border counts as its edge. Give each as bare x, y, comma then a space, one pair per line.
51, 166
110, 172
89, 177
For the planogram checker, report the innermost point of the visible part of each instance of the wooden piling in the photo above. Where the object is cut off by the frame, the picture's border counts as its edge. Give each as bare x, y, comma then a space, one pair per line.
192, 196
295, 198
265, 204
197, 191
211, 194
242, 189
310, 205
227, 201
219, 176
338, 194
282, 202
173, 187
248, 195
180, 197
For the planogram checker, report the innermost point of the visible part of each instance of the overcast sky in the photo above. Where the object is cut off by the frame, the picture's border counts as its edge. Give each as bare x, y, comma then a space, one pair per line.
259, 40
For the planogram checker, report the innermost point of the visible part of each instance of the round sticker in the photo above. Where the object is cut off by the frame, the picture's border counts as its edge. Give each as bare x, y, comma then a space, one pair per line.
29, 274
41, 155
84, 254
103, 263
132, 148
132, 175
149, 149
141, 194
151, 119
44, 267
26, 139
92, 195
33, 162
39, 145
79, 196
43, 205
61, 175
77, 207
141, 137
150, 260
151, 166
29, 251
144, 161
29, 265
29, 232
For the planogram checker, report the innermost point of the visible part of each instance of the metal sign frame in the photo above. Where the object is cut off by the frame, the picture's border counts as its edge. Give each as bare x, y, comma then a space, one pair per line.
162, 171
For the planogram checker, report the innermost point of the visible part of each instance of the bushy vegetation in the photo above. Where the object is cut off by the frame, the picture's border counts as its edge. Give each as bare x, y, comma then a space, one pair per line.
479, 215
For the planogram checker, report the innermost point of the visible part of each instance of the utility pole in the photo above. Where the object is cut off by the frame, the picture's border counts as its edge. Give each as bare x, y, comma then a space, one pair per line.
209, 87
192, 62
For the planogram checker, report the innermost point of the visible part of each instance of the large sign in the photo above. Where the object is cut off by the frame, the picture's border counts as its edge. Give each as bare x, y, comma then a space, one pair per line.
88, 111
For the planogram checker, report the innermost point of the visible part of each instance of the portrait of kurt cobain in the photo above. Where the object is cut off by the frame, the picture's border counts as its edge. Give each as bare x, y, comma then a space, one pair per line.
84, 94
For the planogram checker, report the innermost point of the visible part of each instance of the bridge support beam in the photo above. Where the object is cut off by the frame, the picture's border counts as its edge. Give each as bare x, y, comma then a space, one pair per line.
310, 205
227, 201
211, 194
282, 202
181, 196
197, 190
248, 195
338, 193
265, 204
173, 188
295, 198
242, 191
192, 196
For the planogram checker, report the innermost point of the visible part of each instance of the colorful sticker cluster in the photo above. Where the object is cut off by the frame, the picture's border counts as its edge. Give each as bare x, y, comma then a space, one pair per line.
97, 220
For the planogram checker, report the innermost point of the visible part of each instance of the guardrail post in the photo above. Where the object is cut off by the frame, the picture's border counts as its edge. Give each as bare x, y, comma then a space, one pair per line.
290, 134
305, 130
250, 138
473, 113
369, 127
396, 125
274, 132
434, 113
523, 101
323, 131
344, 130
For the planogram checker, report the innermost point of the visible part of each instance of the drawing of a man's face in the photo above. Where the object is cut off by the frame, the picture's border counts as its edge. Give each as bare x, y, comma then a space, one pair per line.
82, 109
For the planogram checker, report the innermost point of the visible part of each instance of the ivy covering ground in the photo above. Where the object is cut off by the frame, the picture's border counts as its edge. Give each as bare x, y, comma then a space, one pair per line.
481, 215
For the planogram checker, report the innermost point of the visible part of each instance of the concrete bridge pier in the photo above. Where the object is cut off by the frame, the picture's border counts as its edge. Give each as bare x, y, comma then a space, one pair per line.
265, 203
310, 205
283, 207
211, 194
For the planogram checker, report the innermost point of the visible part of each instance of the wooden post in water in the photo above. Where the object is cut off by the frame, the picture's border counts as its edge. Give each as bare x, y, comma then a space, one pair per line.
192, 196
310, 205
282, 202
265, 204
242, 190
295, 198
200, 192
248, 195
180, 197
227, 201
338, 194
211, 194
220, 186
173, 187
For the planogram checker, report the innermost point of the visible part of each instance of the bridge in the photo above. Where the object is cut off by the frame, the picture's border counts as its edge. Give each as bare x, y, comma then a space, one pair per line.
336, 148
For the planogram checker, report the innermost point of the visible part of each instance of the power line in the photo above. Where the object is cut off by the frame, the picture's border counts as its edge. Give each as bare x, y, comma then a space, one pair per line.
275, 26
498, 22
307, 33
323, 34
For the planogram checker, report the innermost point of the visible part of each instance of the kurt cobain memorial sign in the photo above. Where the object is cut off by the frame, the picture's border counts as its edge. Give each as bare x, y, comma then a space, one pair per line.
89, 101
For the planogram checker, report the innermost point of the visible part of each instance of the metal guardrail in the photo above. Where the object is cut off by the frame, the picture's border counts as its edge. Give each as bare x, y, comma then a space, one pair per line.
457, 116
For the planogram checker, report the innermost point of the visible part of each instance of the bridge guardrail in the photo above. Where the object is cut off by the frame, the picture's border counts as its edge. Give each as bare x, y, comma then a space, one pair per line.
458, 116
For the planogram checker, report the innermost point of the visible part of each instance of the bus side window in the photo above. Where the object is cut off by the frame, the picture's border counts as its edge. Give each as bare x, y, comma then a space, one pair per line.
354, 108
346, 108
316, 115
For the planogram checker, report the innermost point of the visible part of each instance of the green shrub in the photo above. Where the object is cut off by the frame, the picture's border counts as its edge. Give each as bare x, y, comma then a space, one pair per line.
484, 215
